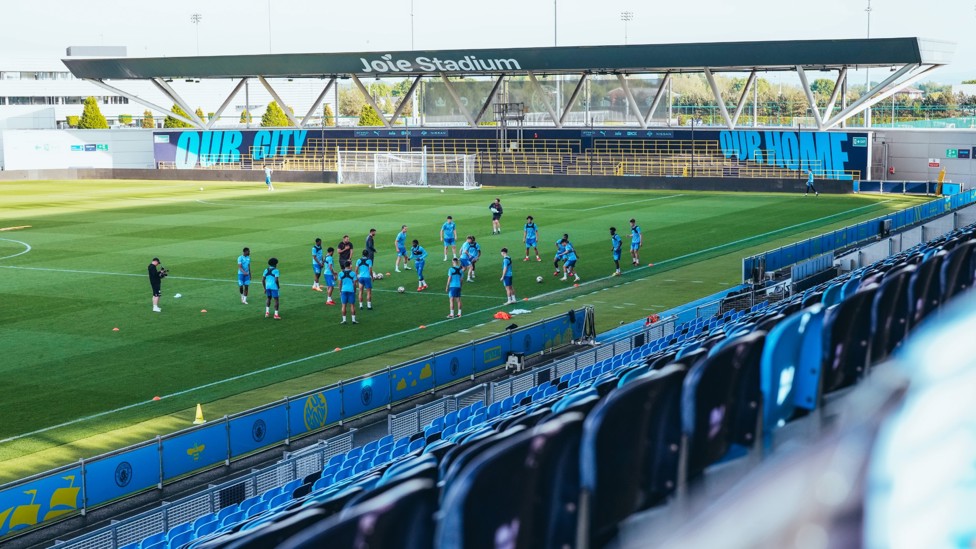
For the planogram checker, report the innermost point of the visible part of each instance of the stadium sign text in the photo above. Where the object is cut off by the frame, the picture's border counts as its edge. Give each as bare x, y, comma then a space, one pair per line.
469, 63
818, 151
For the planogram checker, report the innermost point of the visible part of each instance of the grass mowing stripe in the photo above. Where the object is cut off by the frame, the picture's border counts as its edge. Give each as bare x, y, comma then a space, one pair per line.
235, 378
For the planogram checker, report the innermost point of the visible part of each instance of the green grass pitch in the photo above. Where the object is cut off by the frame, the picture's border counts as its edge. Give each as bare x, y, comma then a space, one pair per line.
79, 270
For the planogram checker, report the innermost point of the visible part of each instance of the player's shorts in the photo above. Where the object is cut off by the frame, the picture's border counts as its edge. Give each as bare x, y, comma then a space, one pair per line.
271, 293
317, 269
329, 280
454, 292
634, 246
419, 266
402, 252
496, 216
530, 242
475, 259
507, 281
243, 279
156, 291
465, 261
570, 263
616, 255
267, 181
366, 282
449, 242
347, 298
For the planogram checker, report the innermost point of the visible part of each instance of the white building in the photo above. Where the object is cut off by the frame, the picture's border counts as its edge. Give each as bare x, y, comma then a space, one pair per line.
41, 94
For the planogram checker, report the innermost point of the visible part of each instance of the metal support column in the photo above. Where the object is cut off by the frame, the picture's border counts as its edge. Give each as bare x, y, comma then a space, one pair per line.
665, 84
369, 99
631, 101
284, 107
318, 102
572, 99
805, 83
142, 101
457, 100
545, 99
226, 103
718, 98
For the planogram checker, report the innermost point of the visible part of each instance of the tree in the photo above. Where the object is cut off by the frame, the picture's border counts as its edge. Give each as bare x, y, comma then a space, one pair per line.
246, 117
969, 81
125, 119
148, 121
274, 117
200, 115
172, 122
328, 118
822, 88
71, 120
350, 102
368, 117
92, 117
210, 116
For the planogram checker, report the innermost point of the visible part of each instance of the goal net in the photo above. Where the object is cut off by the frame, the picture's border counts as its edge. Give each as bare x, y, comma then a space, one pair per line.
407, 169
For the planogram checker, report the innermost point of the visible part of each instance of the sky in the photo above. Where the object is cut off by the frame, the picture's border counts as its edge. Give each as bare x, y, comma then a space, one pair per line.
45, 28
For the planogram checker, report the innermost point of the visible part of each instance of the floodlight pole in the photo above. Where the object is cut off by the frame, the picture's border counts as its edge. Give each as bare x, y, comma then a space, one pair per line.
195, 19
626, 17
867, 72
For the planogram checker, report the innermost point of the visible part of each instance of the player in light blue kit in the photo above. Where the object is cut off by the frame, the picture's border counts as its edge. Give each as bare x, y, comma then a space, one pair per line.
272, 283
810, 184
419, 255
448, 236
454, 275
401, 249
318, 262
616, 247
364, 271
530, 236
267, 177
507, 276
636, 240
570, 257
330, 275
244, 273
347, 291
559, 255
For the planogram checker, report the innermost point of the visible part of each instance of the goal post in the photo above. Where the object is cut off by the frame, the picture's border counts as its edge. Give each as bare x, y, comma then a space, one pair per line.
408, 169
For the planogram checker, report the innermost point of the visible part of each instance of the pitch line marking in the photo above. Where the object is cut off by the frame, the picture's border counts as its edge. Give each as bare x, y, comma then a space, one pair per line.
17, 228
197, 279
26, 246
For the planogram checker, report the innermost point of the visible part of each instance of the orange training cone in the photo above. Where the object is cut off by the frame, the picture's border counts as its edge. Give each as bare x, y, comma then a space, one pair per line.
199, 419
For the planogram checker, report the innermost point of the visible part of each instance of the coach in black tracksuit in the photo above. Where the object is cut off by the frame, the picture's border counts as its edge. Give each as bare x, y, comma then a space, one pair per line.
496, 216
156, 281
370, 246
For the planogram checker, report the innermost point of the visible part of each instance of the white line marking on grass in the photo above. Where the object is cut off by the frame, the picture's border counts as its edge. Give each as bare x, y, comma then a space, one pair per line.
196, 279
17, 228
26, 246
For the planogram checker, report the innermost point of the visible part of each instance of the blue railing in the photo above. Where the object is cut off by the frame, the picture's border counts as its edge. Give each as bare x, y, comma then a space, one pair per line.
853, 235
76, 488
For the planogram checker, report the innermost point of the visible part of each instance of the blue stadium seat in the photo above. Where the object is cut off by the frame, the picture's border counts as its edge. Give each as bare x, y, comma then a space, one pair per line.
227, 511
500, 496
401, 517
926, 287
807, 382
354, 453
386, 440
464, 413
778, 371
337, 459
450, 419
152, 540
847, 336
200, 521
957, 270
399, 451
891, 312
405, 441
279, 500
371, 446
256, 509
494, 410
415, 445
178, 540
231, 519
205, 529
322, 483
616, 449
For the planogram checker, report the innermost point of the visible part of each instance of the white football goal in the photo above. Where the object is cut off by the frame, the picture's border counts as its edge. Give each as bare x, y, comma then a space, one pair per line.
407, 169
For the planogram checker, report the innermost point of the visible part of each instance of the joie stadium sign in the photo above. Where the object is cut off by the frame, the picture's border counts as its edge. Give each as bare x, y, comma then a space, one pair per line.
468, 63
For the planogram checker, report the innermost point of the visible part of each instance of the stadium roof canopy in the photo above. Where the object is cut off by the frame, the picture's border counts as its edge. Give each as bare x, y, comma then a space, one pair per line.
909, 59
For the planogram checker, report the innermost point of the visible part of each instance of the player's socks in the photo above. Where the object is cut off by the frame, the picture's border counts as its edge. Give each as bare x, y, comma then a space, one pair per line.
450, 314
369, 305
267, 311
459, 313
354, 319
343, 319
445, 257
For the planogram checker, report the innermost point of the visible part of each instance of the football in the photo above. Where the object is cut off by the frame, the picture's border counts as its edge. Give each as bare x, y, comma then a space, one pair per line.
538, 279
378, 276
401, 289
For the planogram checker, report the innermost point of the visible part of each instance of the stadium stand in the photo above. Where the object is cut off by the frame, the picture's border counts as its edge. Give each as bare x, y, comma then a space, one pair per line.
613, 157
578, 460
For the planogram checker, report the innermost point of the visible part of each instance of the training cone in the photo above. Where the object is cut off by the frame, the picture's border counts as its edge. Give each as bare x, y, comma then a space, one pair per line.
650, 264
115, 329
203, 310
156, 398
199, 419
422, 326
337, 349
